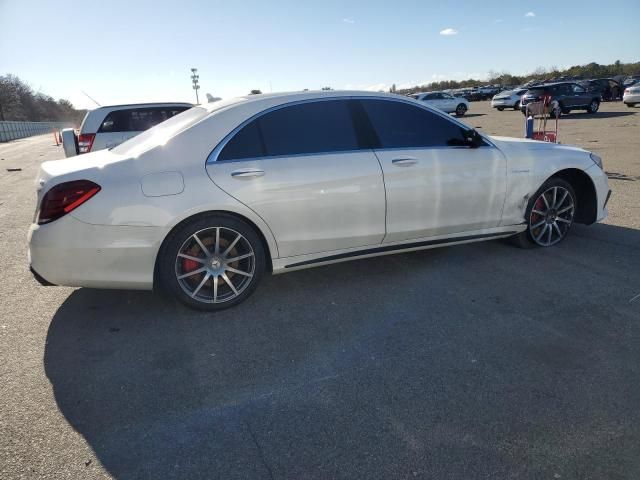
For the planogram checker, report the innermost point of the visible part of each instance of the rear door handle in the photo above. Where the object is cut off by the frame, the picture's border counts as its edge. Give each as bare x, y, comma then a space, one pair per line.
247, 173
404, 162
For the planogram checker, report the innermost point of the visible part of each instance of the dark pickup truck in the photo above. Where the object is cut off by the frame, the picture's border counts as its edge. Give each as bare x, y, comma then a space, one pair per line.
565, 96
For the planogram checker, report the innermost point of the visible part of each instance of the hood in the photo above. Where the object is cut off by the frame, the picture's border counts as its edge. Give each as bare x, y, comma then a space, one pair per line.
513, 143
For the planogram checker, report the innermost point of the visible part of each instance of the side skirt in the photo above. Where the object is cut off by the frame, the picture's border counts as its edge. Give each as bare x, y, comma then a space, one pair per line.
393, 248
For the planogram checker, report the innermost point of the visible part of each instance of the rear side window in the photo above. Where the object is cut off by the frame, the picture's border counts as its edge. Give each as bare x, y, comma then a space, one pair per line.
399, 125
138, 119
318, 127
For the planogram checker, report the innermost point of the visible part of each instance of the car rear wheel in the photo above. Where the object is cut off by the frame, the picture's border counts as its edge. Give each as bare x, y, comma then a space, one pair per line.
461, 110
593, 106
500, 108
549, 215
212, 262
517, 106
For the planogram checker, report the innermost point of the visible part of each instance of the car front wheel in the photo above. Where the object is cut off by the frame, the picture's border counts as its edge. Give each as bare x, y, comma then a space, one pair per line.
593, 106
212, 262
549, 215
461, 110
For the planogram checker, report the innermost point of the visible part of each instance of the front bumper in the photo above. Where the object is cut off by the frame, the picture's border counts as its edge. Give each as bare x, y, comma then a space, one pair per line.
603, 192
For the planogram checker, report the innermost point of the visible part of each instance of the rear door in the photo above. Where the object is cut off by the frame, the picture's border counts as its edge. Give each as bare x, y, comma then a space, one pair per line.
435, 184
580, 95
303, 169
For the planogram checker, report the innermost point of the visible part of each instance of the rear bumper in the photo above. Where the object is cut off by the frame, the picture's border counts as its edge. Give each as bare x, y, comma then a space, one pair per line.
635, 98
76, 254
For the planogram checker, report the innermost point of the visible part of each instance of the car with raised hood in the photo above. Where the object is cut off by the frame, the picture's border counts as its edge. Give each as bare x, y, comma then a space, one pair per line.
508, 99
444, 101
203, 205
109, 126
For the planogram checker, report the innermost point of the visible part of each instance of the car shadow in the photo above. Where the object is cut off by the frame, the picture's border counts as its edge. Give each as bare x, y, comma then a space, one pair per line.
161, 391
584, 115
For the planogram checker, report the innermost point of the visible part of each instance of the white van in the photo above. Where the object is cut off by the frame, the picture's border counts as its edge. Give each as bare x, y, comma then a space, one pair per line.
106, 127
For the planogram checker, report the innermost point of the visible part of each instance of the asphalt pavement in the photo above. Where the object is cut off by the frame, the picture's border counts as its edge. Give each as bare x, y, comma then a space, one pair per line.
468, 362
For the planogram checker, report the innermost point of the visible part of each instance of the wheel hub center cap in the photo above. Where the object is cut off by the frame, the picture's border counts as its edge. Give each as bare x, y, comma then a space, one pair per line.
216, 263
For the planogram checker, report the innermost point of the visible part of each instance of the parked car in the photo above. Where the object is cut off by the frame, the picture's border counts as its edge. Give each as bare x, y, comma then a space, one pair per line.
444, 101
631, 95
281, 182
608, 88
508, 99
631, 80
564, 96
107, 127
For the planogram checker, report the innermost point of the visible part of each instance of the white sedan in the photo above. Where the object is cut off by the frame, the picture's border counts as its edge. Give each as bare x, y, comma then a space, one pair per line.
631, 96
204, 204
508, 99
444, 101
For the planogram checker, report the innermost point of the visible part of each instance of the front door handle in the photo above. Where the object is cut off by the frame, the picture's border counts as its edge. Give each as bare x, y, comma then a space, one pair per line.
247, 173
404, 162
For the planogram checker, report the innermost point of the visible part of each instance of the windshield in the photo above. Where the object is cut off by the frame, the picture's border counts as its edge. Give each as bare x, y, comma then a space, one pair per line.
163, 132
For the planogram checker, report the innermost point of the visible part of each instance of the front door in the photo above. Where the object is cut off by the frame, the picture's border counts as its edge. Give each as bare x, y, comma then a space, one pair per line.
435, 183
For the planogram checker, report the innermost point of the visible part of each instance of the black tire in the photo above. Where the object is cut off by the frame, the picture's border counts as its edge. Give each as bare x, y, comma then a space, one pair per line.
500, 109
170, 267
461, 109
593, 106
526, 239
565, 111
517, 105
630, 105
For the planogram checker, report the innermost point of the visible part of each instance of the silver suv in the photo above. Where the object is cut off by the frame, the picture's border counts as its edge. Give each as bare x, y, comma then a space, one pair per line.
106, 127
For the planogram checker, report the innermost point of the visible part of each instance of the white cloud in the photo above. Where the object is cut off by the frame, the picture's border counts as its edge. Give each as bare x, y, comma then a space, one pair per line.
348, 20
449, 31
530, 14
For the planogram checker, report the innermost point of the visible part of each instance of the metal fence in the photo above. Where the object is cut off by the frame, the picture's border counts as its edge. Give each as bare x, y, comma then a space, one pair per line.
14, 130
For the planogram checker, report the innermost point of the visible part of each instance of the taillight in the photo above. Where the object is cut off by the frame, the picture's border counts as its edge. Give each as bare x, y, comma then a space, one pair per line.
85, 142
64, 198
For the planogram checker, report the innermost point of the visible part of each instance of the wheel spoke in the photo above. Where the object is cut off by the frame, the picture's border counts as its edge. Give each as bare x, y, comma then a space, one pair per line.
555, 225
541, 234
195, 259
240, 257
539, 212
563, 220
230, 247
545, 200
215, 288
204, 280
217, 247
564, 197
239, 272
204, 249
550, 234
555, 195
565, 209
539, 224
193, 272
226, 279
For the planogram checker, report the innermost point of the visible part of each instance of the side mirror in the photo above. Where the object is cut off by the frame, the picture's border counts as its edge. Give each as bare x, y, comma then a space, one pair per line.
473, 138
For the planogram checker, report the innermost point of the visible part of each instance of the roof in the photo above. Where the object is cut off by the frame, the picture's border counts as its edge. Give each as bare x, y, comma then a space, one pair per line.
151, 104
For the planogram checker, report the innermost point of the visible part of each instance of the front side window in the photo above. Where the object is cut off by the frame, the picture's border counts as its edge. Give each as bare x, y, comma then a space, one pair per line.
578, 89
400, 125
306, 128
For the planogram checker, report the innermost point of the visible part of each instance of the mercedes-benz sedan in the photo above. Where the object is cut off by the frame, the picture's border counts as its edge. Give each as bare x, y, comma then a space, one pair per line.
204, 204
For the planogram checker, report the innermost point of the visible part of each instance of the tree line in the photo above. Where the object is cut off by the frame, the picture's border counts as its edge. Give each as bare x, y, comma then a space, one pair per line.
18, 102
591, 70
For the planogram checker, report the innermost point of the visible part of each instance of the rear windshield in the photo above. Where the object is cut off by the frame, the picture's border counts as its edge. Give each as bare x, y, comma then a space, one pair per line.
163, 132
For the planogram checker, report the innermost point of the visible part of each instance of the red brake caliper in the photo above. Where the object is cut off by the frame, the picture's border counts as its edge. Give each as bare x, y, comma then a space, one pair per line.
188, 265
535, 218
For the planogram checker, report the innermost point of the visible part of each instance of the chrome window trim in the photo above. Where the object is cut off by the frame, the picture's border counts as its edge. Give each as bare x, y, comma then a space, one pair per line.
213, 156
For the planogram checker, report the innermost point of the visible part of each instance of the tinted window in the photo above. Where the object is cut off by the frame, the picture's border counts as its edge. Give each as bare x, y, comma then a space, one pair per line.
308, 128
400, 125
137, 120
247, 143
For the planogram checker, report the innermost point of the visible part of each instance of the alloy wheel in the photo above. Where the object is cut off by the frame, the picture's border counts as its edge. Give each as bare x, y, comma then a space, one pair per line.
215, 265
551, 216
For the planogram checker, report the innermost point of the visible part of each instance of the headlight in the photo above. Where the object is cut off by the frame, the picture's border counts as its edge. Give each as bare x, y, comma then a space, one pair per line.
597, 160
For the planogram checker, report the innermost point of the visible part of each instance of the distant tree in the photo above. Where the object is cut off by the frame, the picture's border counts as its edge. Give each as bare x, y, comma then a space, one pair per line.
255, 92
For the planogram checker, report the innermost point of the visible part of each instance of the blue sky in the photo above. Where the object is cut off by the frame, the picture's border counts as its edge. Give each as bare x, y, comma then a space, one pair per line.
135, 51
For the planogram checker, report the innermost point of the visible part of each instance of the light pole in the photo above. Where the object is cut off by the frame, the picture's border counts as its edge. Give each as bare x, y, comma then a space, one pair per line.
194, 80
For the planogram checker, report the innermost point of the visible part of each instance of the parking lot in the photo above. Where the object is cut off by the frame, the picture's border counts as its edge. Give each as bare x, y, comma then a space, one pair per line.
474, 361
